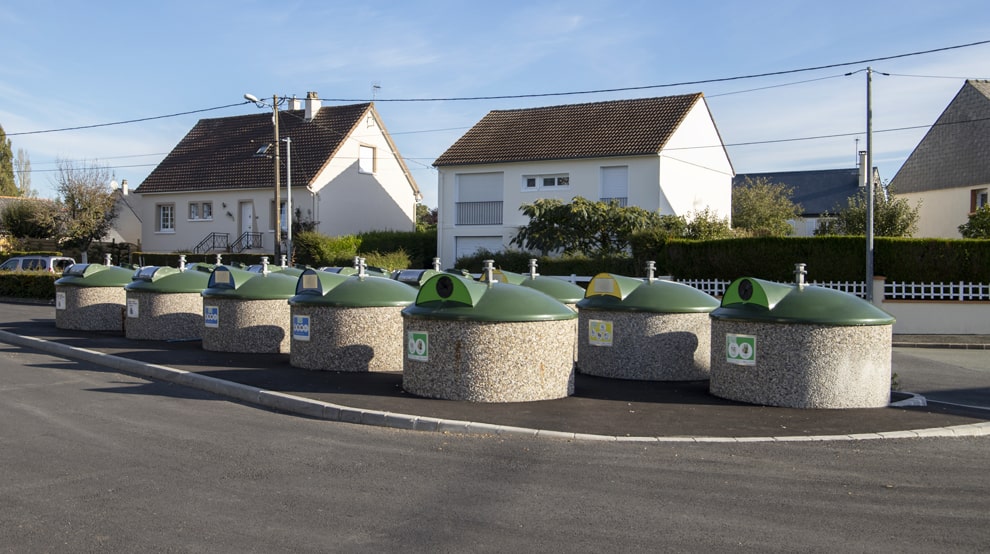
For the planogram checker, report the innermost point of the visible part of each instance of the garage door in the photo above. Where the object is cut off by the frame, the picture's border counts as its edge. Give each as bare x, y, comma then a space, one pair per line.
466, 246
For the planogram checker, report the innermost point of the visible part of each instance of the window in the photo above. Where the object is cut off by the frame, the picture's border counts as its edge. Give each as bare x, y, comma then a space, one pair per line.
366, 160
536, 182
283, 220
200, 211
977, 199
615, 184
166, 218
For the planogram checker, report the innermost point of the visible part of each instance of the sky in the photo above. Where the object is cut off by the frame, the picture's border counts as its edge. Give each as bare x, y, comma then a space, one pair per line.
435, 68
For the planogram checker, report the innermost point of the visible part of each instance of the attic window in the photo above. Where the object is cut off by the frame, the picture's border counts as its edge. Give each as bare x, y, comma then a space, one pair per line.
263, 151
366, 160
536, 182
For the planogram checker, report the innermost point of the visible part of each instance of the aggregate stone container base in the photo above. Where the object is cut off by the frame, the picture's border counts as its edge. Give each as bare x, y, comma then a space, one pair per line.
161, 316
252, 326
91, 308
492, 361
647, 346
805, 366
350, 339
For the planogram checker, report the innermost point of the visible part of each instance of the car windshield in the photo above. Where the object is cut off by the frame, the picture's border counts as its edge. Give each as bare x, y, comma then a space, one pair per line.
9, 265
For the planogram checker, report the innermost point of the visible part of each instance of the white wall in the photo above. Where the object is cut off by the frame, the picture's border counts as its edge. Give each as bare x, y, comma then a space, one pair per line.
941, 212
188, 233
695, 171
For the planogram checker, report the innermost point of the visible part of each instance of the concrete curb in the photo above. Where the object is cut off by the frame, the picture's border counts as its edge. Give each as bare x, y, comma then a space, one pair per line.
333, 412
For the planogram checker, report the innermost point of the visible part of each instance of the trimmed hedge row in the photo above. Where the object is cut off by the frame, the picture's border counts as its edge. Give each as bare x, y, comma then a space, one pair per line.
28, 284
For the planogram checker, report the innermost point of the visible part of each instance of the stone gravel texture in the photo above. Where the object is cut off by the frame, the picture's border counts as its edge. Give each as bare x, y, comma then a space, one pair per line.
647, 346
805, 366
165, 316
253, 326
492, 361
91, 308
350, 339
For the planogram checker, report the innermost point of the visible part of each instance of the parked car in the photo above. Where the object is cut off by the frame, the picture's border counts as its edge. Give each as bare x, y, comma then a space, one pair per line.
52, 264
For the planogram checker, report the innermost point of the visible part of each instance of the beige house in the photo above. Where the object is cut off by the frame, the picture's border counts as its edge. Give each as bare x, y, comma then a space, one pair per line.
215, 190
949, 170
663, 154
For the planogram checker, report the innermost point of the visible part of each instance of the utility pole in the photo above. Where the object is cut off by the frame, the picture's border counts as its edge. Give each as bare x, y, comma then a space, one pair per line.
869, 184
278, 182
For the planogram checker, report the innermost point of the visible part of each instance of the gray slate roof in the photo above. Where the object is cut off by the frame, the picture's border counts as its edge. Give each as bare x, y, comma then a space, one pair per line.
817, 191
219, 154
594, 130
956, 150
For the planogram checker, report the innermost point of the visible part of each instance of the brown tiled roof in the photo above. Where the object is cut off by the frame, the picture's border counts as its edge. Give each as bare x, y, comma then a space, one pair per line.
599, 129
219, 154
954, 151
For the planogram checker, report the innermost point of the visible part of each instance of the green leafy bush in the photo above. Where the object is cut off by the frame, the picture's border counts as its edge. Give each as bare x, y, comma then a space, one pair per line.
28, 284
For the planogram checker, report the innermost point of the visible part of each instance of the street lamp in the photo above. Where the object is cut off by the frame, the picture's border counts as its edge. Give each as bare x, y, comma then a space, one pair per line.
288, 196
278, 176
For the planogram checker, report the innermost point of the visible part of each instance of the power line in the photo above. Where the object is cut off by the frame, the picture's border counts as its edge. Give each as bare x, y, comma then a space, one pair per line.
546, 94
126, 121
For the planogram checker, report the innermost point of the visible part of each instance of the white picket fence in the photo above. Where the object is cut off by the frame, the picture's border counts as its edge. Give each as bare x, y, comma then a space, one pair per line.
892, 290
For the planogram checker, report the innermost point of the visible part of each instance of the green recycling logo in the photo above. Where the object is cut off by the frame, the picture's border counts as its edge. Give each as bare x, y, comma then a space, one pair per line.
418, 346
740, 349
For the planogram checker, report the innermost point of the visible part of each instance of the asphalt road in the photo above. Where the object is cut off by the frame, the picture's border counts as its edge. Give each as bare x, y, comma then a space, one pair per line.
96, 461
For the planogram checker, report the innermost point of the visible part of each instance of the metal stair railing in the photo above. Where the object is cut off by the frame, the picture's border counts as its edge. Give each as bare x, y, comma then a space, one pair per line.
213, 241
245, 241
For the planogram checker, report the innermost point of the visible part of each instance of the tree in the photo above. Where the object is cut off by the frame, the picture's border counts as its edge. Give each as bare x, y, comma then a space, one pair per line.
707, 225
582, 226
22, 172
87, 205
892, 217
763, 208
7, 185
978, 224
425, 217
29, 218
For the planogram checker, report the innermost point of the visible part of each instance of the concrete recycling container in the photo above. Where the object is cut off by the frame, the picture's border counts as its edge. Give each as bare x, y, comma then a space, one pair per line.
487, 342
646, 330
91, 297
348, 323
247, 312
800, 346
164, 303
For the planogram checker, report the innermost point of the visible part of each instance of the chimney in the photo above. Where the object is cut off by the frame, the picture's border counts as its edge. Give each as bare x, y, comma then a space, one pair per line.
312, 105
863, 173
294, 104
123, 187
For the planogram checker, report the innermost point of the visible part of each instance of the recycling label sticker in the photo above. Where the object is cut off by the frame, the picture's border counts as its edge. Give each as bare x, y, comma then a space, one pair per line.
300, 327
418, 346
59, 300
211, 316
740, 349
599, 332
132, 308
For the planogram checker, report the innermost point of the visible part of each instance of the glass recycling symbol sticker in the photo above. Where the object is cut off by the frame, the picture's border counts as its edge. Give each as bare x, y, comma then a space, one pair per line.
740, 349
418, 346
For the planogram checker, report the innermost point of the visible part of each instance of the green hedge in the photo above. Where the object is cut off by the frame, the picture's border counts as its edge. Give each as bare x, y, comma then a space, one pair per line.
827, 258
172, 259
518, 262
28, 284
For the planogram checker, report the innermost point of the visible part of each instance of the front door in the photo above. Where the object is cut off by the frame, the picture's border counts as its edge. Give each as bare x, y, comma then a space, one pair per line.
247, 222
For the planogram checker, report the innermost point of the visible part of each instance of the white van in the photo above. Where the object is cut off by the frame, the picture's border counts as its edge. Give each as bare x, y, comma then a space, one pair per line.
52, 264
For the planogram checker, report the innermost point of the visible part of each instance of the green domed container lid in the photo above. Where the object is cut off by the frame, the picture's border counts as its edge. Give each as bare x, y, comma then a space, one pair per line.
618, 293
749, 299
315, 282
95, 275
169, 280
414, 277
563, 291
226, 282
450, 297
503, 277
360, 292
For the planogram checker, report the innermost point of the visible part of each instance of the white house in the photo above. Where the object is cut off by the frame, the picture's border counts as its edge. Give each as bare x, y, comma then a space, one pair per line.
215, 190
662, 154
949, 171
